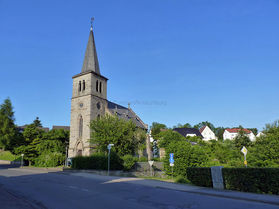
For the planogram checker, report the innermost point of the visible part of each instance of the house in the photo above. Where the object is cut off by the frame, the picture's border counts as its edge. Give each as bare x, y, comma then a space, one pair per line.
207, 133
260, 134
21, 128
188, 132
231, 133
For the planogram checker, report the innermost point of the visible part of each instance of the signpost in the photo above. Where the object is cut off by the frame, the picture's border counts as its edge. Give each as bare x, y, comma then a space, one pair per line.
171, 163
109, 148
244, 151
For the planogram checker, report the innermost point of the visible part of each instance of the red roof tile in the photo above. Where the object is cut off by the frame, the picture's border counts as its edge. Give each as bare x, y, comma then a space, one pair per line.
236, 130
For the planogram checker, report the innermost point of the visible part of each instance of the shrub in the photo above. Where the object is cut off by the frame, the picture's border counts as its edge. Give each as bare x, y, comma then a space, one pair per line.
199, 176
98, 161
51, 159
260, 180
143, 159
181, 180
128, 162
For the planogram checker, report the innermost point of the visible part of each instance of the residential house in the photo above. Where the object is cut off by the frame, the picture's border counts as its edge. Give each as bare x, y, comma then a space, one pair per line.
207, 133
231, 133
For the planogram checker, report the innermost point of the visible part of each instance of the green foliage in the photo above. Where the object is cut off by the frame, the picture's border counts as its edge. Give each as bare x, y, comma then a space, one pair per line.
50, 159
199, 176
185, 155
260, 180
7, 155
167, 137
112, 130
143, 159
241, 140
128, 162
9, 135
98, 161
181, 180
42, 148
156, 128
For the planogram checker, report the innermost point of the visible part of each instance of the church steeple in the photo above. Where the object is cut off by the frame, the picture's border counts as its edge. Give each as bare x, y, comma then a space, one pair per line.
90, 62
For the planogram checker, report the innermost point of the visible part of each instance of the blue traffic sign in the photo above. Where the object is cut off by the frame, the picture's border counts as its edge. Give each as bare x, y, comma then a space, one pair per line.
171, 158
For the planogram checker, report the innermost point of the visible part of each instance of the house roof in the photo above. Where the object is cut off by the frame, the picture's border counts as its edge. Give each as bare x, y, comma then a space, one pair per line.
202, 128
126, 114
185, 131
66, 128
236, 130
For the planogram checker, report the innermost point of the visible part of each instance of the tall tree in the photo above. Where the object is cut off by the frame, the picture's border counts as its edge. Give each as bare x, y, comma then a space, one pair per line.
156, 128
112, 130
37, 122
8, 131
205, 123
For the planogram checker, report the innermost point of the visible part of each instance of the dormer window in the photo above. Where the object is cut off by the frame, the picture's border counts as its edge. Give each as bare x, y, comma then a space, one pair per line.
79, 86
83, 85
97, 85
100, 87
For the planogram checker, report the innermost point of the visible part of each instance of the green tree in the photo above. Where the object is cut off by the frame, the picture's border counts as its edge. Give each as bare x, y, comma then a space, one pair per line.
112, 130
205, 123
156, 129
241, 140
265, 150
185, 155
167, 137
37, 122
9, 134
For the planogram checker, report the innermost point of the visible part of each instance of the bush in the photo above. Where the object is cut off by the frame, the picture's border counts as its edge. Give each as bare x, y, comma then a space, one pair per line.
199, 176
98, 161
143, 159
128, 162
181, 180
51, 159
260, 180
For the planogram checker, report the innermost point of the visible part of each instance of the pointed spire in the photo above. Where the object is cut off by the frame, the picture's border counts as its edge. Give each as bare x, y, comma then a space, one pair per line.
90, 62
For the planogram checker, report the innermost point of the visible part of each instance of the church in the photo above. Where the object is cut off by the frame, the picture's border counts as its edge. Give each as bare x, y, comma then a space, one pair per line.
89, 101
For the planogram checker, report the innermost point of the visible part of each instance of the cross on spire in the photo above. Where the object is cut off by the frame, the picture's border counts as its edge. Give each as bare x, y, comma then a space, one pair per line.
91, 21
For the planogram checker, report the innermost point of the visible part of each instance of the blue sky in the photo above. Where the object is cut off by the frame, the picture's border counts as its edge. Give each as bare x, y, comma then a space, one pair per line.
174, 61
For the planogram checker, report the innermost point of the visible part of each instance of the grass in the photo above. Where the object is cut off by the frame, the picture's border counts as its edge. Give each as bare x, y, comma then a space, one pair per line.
157, 178
6, 155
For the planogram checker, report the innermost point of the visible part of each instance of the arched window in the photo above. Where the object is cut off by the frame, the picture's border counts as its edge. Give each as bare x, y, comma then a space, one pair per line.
83, 85
80, 126
97, 85
100, 87
79, 86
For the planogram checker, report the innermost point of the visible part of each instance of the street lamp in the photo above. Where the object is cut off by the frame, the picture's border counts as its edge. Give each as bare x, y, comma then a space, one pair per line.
109, 148
22, 160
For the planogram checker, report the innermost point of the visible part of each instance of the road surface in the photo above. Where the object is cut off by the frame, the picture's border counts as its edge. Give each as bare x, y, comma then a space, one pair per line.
27, 188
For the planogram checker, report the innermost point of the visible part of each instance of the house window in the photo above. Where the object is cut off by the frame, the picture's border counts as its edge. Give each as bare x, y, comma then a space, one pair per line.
100, 87
80, 126
83, 85
79, 86
97, 85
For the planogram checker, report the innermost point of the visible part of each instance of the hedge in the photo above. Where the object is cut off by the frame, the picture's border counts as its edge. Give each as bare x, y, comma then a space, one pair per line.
199, 176
259, 180
98, 161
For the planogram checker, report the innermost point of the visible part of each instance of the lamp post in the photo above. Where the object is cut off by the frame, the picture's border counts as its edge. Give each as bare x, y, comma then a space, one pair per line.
109, 148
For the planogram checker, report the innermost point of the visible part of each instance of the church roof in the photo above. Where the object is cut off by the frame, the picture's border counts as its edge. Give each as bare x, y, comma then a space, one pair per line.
126, 114
90, 62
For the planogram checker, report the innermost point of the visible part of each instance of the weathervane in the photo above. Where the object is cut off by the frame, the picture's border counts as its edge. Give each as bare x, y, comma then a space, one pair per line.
92, 19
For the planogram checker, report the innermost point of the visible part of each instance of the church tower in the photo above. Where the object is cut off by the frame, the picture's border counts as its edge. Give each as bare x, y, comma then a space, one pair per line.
89, 100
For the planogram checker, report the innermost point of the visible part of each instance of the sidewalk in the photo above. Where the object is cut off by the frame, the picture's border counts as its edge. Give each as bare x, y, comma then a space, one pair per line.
262, 198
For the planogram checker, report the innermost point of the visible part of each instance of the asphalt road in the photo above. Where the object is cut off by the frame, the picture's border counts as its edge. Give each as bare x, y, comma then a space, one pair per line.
24, 188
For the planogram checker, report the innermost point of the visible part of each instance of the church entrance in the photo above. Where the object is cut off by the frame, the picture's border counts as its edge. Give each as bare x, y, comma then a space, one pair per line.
79, 149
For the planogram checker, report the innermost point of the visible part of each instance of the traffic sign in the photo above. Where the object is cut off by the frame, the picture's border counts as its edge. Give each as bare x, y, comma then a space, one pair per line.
244, 150
171, 158
150, 162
